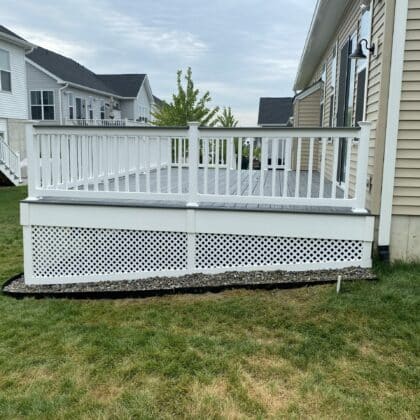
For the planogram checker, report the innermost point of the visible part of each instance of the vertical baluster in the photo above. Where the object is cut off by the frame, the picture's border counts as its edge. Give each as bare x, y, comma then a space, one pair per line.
55, 160
229, 143
85, 162
65, 159
45, 160
251, 164
105, 140
137, 162
348, 163
158, 164
147, 157
287, 147
180, 145
263, 168
37, 158
322, 173
298, 161
310, 168
216, 160
336, 141
95, 163
116, 163
274, 159
169, 143
206, 163
239, 170
126, 166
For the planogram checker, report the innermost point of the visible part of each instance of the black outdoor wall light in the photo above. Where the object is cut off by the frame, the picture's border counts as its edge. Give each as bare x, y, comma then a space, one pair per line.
358, 53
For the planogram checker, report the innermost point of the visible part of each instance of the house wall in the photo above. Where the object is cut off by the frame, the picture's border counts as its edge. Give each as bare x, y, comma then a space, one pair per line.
127, 108
405, 224
14, 104
349, 25
38, 80
142, 100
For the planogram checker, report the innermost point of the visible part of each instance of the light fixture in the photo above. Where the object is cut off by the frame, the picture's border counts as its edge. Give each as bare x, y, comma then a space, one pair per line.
358, 53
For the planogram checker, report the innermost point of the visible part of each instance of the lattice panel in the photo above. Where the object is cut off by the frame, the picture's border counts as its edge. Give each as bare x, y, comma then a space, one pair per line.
65, 251
218, 250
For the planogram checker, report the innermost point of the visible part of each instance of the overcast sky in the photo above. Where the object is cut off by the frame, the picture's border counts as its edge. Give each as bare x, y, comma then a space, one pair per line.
239, 50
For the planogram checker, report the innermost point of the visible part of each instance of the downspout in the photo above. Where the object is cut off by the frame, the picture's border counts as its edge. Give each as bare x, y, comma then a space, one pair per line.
392, 126
60, 102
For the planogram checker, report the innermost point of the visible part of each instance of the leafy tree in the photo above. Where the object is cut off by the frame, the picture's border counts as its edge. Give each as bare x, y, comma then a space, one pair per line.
186, 106
227, 119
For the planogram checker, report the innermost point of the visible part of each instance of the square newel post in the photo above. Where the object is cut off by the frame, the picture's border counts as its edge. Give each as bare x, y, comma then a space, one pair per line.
362, 167
193, 151
31, 159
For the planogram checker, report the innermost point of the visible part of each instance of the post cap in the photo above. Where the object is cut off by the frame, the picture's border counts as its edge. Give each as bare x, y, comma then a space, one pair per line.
194, 123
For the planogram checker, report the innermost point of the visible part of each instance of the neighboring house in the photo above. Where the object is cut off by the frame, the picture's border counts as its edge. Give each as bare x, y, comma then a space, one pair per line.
275, 112
62, 91
380, 83
13, 103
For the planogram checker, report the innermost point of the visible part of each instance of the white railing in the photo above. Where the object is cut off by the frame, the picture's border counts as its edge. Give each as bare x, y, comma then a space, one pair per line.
105, 122
274, 166
11, 160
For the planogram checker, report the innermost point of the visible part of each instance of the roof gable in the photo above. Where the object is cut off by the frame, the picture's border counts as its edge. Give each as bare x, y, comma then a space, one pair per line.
126, 85
275, 111
14, 38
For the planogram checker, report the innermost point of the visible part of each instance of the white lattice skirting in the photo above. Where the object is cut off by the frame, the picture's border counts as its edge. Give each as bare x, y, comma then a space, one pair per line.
67, 243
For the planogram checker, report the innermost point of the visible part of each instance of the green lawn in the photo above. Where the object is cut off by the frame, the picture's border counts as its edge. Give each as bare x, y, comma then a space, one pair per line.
287, 353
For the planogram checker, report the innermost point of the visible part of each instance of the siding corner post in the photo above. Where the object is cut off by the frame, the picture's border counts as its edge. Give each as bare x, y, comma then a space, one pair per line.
30, 150
193, 139
362, 167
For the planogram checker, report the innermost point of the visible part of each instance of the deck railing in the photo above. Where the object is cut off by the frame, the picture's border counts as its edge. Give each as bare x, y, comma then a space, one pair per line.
271, 166
10, 159
105, 122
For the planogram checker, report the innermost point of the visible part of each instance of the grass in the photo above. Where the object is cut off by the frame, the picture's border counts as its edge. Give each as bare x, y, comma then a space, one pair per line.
287, 353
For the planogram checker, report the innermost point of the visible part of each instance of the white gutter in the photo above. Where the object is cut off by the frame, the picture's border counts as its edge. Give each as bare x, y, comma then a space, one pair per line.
393, 116
60, 91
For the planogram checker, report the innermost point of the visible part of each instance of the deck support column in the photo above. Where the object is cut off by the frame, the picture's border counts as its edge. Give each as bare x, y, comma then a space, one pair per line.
193, 151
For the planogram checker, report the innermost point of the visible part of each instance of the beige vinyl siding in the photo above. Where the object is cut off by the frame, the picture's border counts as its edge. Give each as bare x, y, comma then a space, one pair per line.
347, 27
407, 170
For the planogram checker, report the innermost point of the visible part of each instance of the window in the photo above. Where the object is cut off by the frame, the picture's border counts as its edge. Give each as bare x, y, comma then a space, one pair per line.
348, 122
102, 109
90, 108
333, 68
144, 114
5, 76
42, 104
71, 105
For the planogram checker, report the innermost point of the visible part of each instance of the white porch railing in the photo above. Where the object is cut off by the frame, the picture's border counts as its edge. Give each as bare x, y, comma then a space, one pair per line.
11, 161
273, 166
105, 122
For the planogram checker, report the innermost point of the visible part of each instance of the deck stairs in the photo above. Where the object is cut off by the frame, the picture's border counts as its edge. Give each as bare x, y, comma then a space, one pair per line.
10, 164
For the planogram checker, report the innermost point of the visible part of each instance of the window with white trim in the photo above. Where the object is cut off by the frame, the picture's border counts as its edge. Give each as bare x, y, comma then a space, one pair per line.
42, 104
333, 69
5, 74
90, 108
71, 105
144, 114
102, 109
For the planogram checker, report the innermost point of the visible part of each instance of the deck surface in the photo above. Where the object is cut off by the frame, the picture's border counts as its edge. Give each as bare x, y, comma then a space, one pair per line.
217, 183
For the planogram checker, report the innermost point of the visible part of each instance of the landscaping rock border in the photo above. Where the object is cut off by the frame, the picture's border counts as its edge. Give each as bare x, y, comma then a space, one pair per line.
195, 283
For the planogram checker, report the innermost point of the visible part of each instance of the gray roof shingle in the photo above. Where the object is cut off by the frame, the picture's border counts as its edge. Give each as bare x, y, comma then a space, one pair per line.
68, 70
275, 110
127, 85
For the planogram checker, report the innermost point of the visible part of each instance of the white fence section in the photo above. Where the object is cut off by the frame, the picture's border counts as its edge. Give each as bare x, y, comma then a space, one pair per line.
10, 162
269, 166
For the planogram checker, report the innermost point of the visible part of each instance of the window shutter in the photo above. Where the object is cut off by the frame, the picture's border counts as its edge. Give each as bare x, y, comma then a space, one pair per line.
360, 100
342, 84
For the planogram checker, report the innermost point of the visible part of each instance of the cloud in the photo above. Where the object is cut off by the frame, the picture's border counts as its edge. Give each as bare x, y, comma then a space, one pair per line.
74, 50
135, 34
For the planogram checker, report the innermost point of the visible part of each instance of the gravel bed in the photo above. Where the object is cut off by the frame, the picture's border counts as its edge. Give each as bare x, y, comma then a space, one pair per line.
190, 283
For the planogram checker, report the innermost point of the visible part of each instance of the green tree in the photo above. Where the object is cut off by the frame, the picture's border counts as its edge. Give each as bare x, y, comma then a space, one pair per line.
226, 118
186, 106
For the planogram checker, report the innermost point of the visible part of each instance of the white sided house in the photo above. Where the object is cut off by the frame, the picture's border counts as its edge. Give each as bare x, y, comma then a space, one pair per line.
62, 92
13, 105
